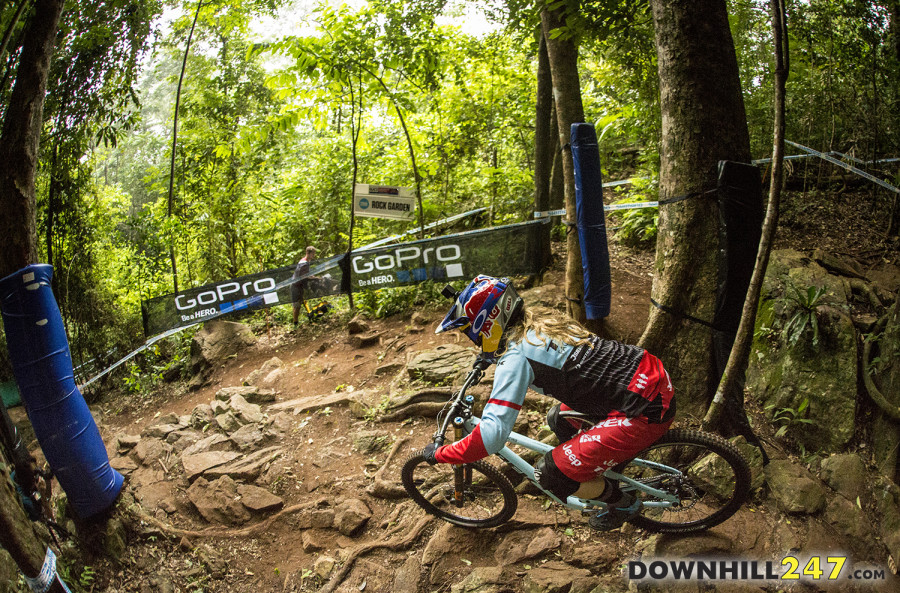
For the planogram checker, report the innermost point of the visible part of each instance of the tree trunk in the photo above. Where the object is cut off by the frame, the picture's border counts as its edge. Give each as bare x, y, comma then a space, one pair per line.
563, 58
20, 140
557, 185
18, 153
703, 122
731, 386
544, 144
894, 25
171, 198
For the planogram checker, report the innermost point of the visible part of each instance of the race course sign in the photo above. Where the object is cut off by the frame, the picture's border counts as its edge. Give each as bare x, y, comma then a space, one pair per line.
384, 201
510, 250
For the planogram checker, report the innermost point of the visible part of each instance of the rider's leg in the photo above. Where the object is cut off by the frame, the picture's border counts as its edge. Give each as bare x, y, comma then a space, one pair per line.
592, 489
584, 459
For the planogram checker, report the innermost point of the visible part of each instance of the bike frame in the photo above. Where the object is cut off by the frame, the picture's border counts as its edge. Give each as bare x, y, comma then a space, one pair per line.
465, 421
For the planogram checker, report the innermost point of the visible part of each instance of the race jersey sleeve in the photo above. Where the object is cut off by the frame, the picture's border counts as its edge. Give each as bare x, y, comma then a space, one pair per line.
511, 381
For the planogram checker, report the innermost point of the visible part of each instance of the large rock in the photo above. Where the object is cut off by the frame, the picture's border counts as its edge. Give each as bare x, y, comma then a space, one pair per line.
246, 412
197, 464
251, 393
485, 579
160, 431
820, 380
522, 545
754, 457
351, 515
245, 468
218, 501
407, 577
228, 422
442, 365
846, 473
553, 577
795, 489
214, 442
216, 341
259, 500
148, 450
260, 375
248, 437
850, 521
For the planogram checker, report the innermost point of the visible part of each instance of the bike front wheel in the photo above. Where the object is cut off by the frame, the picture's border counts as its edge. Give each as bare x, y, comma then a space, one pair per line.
705, 474
470, 495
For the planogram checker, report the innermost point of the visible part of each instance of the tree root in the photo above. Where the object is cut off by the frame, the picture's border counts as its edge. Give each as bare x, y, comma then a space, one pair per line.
250, 531
890, 409
428, 409
382, 488
392, 545
863, 288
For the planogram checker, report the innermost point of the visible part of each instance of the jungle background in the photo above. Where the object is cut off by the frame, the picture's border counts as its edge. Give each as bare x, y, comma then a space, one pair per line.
263, 162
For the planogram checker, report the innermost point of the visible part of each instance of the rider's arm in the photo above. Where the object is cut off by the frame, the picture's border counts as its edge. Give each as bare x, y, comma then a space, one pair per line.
511, 381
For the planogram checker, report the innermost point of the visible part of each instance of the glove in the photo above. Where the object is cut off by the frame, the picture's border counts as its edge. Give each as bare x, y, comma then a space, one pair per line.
429, 453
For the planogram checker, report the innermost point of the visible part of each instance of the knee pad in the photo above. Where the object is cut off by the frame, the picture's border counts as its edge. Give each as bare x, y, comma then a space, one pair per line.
551, 478
560, 427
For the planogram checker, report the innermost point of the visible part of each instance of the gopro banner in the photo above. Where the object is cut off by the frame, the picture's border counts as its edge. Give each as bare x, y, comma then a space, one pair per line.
499, 251
509, 250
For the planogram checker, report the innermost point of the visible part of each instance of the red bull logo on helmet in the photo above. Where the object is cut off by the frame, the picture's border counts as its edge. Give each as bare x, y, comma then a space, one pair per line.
481, 308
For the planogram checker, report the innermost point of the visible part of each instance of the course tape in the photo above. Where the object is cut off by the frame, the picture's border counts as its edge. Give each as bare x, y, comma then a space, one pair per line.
134, 353
562, 212
45, 579
427, 227
844, 165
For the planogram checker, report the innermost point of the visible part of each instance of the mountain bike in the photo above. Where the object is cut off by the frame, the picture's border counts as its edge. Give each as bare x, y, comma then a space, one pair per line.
688, 480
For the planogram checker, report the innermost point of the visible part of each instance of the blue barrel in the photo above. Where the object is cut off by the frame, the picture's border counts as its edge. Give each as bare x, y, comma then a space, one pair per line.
42, 365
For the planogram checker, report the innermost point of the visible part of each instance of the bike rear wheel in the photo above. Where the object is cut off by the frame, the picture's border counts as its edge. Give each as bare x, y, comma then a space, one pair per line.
470, 495
709, 476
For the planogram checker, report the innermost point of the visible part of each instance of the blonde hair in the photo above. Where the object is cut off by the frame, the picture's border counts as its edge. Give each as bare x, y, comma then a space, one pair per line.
550, 324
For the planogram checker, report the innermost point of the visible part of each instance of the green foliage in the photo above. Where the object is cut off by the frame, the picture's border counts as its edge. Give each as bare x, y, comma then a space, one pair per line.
637, 226
806, 316
787, 418
166, 359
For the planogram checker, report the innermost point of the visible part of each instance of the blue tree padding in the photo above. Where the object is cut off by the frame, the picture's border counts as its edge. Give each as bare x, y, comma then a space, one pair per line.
591, 221
42, 366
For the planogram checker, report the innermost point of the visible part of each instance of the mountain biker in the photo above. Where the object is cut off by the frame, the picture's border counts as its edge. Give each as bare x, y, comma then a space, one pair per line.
624, 389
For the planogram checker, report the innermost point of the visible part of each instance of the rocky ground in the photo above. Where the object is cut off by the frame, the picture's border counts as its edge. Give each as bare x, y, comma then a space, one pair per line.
277, 469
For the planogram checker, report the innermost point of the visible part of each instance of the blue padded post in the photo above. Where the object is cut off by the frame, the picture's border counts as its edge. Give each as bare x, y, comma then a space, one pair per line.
42, 365
591, 221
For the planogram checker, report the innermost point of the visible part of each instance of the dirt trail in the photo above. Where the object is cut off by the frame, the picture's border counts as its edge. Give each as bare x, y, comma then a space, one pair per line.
322, 465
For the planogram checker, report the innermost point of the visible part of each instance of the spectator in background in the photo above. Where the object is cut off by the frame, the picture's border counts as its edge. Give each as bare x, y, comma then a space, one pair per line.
300, 281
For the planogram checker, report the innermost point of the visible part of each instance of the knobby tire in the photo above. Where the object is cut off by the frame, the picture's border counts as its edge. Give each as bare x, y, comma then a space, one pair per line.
489, 499
716, 484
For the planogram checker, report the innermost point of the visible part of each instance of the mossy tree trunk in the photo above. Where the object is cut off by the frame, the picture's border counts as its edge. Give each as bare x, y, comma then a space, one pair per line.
563, 57
19, 144
703, 122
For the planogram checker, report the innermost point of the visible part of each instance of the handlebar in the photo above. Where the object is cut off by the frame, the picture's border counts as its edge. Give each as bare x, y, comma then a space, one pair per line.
458, 400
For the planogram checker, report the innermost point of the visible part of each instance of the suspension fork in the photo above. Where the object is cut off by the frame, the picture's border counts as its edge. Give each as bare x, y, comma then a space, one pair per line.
462, 474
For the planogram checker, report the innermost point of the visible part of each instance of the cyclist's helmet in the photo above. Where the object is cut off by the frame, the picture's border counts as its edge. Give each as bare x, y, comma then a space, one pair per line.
483, 311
